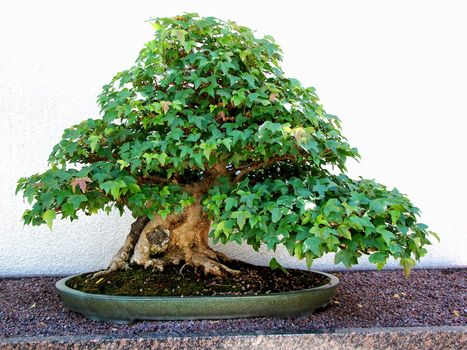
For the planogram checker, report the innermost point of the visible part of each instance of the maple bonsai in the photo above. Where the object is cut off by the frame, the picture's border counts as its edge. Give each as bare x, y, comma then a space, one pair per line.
206, 134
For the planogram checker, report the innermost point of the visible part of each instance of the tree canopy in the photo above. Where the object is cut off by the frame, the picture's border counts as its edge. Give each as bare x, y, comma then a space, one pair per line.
204, 95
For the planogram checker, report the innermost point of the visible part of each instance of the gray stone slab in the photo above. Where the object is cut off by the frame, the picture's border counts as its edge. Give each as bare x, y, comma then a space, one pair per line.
449, 337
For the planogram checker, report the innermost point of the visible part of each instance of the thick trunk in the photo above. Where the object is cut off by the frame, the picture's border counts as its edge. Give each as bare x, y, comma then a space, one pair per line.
177, 239
189, 243
192, 229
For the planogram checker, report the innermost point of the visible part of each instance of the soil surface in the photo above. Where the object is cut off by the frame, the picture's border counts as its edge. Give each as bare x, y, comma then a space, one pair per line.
186, 281
430, 297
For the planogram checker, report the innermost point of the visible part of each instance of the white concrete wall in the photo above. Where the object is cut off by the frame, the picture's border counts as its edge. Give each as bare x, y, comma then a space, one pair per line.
394, 71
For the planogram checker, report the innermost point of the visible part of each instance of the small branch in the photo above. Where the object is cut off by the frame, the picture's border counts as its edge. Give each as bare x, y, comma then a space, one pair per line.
153, 179
94, 158
258, 165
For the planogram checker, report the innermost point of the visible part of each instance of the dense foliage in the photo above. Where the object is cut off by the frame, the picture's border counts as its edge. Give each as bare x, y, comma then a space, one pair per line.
205, 93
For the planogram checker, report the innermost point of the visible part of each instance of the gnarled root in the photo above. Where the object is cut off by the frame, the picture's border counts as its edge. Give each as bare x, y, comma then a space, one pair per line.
210, 266
177, 239
202, 257
155, 264
209, 261
124, 253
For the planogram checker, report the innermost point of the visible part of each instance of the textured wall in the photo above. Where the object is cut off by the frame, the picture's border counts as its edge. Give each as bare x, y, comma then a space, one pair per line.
395, 74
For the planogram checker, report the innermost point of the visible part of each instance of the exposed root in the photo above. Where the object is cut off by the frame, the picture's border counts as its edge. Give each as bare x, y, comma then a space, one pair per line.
174, 240
209, 265
205, 258
155, 264
120, 260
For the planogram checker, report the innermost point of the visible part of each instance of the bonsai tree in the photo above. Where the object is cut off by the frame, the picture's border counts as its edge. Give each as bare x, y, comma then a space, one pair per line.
205, 134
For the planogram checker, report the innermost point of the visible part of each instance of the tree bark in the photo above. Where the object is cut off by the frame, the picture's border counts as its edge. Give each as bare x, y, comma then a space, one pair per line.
123, 255
187, 242
177, 239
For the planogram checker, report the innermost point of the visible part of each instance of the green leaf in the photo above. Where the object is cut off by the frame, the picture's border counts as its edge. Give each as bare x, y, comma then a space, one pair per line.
276, 214
114, 187
298, 251
346, 257
378, 258
348, 209
378, 205
238, 98
165, 191
175, 134
344, 232
274, 265
49, 217
241, 217
161, 157
332, 206
163, 213
244, 54
313, 244
407, 264
123, 164
395, 215
395, 249
93, 142
332, 243
309, 259
208, 89
225, 66
134, 188
207, 149
434, 234
227, 143
387, 235
198, 158
76, 200
68, 210
193, 137
230, 203
157, 26
180, 33
250, 79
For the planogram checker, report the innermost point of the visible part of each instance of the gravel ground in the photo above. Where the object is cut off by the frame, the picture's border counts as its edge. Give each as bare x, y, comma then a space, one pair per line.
31, 307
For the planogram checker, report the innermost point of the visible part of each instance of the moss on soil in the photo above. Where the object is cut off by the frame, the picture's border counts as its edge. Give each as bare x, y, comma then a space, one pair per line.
252, 280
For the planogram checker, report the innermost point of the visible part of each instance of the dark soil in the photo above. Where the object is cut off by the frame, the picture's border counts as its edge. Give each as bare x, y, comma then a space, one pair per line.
186, 281
430, 297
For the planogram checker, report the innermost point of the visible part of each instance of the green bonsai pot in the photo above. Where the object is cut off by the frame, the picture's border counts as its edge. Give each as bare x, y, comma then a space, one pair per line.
126, 309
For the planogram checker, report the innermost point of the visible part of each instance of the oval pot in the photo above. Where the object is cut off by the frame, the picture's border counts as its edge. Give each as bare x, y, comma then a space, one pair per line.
126, 309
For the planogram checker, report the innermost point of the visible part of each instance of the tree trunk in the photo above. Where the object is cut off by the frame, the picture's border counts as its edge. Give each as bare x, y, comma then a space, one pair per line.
177, 239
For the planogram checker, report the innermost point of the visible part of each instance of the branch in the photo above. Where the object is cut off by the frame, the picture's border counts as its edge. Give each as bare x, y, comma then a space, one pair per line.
217, 170
153, 179
94, 158
258, 165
